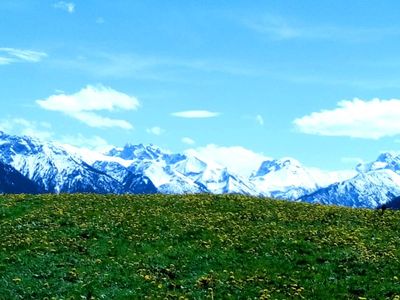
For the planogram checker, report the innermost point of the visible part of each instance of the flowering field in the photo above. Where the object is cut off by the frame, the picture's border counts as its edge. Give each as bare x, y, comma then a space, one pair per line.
194, 246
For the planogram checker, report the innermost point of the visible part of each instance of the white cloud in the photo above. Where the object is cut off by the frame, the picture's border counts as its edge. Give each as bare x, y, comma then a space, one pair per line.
5, 60
84, 104
358, 118
188, 141
280, 28
90, 98
67, 6
155, 130
195, 114
352, 160
95, 120
43, 131
236, 158
94, 143
325, 178
274, 26
20, 126
14, 55
260, 120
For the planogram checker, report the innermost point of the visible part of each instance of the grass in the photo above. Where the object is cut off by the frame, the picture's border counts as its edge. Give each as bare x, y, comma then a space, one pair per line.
195, 247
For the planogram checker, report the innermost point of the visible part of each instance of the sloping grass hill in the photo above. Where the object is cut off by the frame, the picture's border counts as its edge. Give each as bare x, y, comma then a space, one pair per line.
195, 247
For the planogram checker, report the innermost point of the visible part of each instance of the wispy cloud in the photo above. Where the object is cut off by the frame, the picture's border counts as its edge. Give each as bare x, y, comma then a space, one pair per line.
188, 141
352, 160
280, 28
95, 120
155, 130
44, 131
166, 69
148, 67
274, 26
5, 60
364, 83
14, 55
21, 126
236, 158
357, 118
260, 120
85, 104
195, 114
67, 6
95, 142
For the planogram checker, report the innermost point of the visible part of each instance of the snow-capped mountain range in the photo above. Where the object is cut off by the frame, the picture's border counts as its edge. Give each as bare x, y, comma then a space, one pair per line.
28, 165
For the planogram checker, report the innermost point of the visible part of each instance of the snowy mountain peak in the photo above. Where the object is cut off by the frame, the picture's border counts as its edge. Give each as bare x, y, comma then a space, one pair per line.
191, 166
386, 160
386, 157
51, 167
276, 165
376, 183
10, 144
140, 151
370, 189
284, 178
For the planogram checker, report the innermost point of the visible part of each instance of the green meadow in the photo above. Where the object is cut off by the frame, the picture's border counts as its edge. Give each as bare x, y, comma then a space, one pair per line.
194, 247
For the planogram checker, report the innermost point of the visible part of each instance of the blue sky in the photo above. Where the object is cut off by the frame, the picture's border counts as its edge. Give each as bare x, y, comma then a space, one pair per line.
315, 80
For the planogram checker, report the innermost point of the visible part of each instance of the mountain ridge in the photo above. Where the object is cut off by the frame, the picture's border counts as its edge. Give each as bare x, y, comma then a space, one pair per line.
59, 168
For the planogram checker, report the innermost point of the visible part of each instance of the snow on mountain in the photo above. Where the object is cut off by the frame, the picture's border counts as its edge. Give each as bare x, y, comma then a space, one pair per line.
376, 183
287, 179
117, 168
139, 184
52, 168
326, 178
387, 160
214, 177
146, 169
161, 172
132, 182
237, 159
370, 189
90, 156
148, 161
140, 151
177, 173
284, 178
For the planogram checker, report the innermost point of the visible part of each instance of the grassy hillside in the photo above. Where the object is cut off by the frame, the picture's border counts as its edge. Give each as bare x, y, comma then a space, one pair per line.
216, 247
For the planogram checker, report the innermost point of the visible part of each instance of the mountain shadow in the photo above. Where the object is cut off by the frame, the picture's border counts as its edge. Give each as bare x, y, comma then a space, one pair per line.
13, 182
